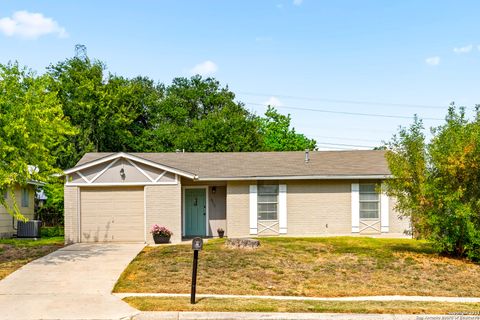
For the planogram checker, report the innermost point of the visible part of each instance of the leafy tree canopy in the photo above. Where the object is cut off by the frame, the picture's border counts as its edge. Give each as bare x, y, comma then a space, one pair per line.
437, 182
32, 124
109, 111
113, 113
279, 136
199, 115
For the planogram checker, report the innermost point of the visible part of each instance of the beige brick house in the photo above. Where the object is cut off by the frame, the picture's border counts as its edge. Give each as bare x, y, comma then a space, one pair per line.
118, 196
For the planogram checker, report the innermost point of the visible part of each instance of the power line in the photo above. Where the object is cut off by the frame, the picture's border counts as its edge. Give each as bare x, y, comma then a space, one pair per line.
319, 146
354, 129
346, 113
342, 138
346, 145
335, 148
360, 102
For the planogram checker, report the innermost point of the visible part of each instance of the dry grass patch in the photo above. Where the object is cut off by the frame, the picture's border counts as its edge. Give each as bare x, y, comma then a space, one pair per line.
339, 266
14, 253
270, 305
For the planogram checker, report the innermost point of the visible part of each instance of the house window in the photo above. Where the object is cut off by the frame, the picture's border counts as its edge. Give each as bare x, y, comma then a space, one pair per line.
25, 197
267, 202
369, 201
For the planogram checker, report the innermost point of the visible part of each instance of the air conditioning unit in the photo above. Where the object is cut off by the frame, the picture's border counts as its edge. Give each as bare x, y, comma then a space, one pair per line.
29, 229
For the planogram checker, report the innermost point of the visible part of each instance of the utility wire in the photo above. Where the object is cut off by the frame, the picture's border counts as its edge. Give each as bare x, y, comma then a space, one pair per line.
345, 112
345, 145
342, 138
376, 103
335, 148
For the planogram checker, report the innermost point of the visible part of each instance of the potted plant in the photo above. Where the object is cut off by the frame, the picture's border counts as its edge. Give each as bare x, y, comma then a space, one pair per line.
221, 232
160, 234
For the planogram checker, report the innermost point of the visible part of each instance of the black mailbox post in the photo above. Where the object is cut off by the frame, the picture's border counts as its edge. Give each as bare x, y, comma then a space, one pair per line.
197, 245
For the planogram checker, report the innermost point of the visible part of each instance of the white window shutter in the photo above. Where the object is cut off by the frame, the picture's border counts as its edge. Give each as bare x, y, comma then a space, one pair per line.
282, 208
355, 208
253, 209
384, 213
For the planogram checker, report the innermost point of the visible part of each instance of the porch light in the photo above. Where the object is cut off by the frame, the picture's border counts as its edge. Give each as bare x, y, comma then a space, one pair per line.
214, 190
122, 173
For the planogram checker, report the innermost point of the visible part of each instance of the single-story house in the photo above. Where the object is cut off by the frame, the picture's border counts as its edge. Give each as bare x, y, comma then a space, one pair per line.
118, 196
25, 197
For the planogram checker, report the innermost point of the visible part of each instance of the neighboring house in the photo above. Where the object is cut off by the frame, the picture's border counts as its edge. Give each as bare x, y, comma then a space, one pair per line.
118, 196
25, 197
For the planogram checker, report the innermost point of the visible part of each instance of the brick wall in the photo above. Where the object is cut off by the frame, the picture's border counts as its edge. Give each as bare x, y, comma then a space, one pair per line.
164, 207
71, 203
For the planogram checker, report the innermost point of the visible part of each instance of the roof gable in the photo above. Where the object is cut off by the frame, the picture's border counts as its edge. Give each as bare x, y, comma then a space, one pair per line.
142, 166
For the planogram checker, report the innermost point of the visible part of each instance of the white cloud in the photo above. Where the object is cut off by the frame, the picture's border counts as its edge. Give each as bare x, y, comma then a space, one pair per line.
30, 25
465, 49
205, 68
433, 61
273, 101
297, 2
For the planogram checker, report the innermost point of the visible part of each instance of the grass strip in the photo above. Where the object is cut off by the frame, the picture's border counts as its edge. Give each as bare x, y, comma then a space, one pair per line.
270, 305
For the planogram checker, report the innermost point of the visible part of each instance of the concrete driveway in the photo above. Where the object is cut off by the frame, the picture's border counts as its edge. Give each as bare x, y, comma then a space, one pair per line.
74, 282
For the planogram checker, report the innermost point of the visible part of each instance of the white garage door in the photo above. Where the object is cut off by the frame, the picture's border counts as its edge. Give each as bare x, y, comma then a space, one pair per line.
112, 214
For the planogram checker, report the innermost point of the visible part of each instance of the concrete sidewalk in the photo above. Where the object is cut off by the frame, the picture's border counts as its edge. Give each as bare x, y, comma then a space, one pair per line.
74, 282
289, 316
359, 298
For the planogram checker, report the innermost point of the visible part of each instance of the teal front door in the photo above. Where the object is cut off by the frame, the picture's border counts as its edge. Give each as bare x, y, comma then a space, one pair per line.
195, 212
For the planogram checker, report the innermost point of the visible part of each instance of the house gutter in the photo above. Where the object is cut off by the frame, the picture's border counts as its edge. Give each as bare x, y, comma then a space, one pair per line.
316, 177
36, 183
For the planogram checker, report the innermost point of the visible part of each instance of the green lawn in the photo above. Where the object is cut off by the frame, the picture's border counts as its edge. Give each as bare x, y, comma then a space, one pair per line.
317, 267
15, 253
269, 305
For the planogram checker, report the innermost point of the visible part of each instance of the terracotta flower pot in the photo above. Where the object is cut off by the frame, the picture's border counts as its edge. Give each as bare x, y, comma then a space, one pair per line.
158, 238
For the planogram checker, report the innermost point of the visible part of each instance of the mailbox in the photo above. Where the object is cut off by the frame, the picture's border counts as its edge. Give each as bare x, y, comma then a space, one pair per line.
197, 244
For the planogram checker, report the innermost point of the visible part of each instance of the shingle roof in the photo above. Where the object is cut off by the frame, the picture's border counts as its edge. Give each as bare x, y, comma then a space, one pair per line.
244, 165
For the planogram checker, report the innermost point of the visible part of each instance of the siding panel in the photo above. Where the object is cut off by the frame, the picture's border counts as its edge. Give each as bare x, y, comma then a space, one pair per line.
6, 225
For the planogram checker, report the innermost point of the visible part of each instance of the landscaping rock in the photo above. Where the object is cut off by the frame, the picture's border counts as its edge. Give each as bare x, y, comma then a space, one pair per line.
243, 243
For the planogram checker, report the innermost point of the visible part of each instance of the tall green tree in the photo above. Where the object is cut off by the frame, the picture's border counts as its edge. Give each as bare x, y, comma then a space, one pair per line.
109, 111
130, 105
31, 125
437, 183
200, 115
407, 160
113, 113
278, 135
78, 84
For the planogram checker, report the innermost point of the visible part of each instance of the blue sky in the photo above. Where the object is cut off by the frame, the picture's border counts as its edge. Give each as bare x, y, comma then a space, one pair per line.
402, 57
